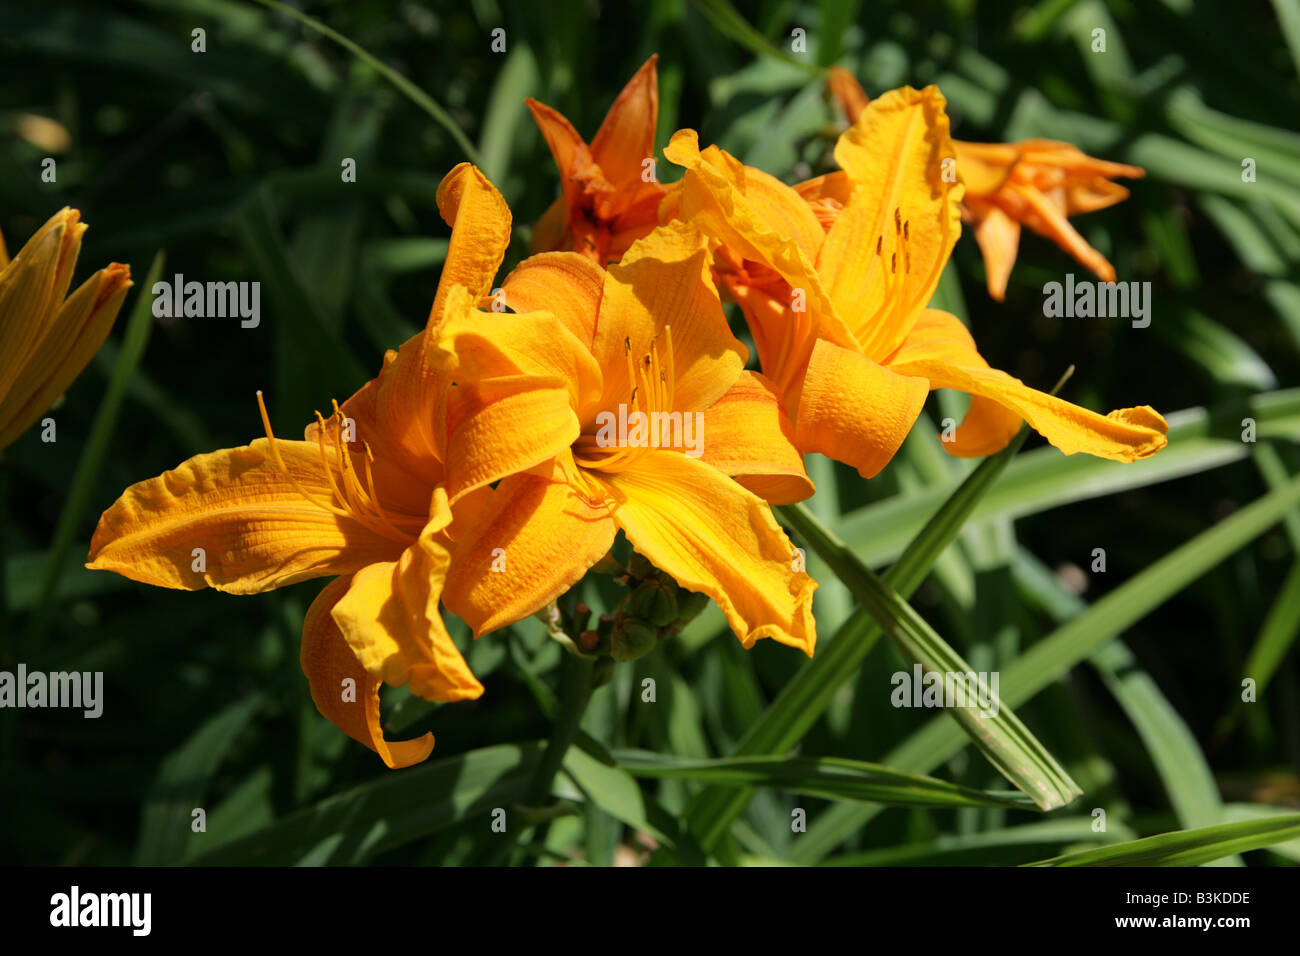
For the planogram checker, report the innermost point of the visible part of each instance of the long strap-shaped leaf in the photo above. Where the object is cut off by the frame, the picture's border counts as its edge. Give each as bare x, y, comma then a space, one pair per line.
1187, 847
803, 700
1010, 747
1066, 646
831, 778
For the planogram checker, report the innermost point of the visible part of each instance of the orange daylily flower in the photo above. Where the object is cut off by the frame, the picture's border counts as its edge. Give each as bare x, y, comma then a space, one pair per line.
538, 394
47, 336
607, 202
838, 303
1039, 183
361, 499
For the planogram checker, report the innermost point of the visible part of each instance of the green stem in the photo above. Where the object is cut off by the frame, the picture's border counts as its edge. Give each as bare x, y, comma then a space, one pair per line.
575, 693
576, 687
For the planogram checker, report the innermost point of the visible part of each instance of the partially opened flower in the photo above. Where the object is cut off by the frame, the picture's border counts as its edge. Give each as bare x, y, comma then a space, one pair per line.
610, 194
46, 335
837, 302
1038, 183
361, 500
619, 400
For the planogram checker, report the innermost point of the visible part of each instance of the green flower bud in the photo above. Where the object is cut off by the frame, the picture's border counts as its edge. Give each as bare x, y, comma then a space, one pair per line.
655, 601
633, 640
690, 604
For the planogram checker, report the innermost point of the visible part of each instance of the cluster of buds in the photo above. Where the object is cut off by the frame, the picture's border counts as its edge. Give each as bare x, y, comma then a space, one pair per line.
653, 608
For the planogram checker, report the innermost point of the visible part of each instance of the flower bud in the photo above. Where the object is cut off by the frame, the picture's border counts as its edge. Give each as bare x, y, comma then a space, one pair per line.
655, 601
633, 640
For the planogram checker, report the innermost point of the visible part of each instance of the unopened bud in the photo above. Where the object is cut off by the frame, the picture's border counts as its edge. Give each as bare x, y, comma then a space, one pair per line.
633, 640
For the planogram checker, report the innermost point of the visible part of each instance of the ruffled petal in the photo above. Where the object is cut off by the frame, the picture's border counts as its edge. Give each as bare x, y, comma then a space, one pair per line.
715, 537
480, 234
254, 526
854, 410
390, 619
747, 436
665, 280
776, 228
533, 541
501, 426
343, 692
883, 257
566, 284
481, 345
942, 350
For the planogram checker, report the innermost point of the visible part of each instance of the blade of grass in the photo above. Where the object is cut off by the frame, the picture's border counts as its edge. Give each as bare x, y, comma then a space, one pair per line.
1004, 739
1179, 761
1052, 657
1187, 847
831, 778
803, 699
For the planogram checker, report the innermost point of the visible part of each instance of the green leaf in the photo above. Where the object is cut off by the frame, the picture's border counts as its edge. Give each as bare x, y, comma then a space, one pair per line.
1066, 646
803, 700
1010, 747
1178, 758
182, 785
616, 791
394, 809
1000, 847
1187, 847
830, 778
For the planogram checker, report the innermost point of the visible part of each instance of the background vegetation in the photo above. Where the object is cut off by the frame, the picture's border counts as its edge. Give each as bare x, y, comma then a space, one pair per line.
229, 161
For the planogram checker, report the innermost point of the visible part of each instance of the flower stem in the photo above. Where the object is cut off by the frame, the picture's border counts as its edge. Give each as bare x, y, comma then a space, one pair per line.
576, 687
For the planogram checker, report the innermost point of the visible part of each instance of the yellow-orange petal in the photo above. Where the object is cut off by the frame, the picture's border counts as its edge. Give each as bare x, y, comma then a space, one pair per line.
32, 287
343, 692
502, 426
943, 338
883, 257
480, 234
566, 284
390, 619
998, 236
393, 416
532, 542
779, 230
626, 138
665, 280
747, 436
1126, 434
482, 345
75, 335
854, 410
233, 521
985, 167
717, 538
551, 231
848, 92
1046, 216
